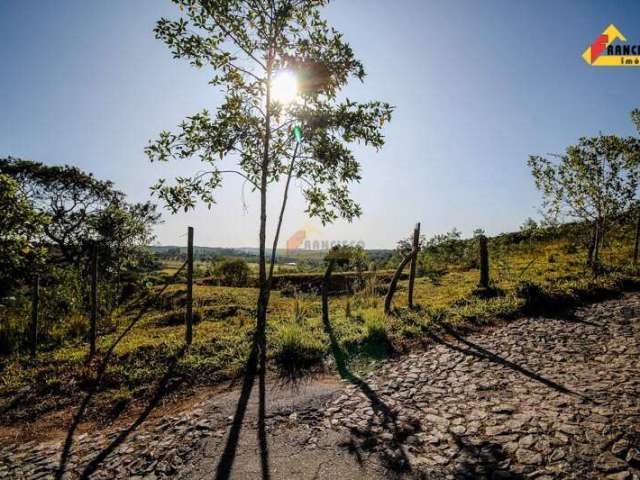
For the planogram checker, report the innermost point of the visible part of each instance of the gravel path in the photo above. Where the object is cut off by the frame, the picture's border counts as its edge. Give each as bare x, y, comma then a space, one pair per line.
535, 398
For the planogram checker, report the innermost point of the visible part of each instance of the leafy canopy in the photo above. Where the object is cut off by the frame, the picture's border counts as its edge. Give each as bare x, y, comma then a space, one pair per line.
245, 43
593, 180
79, 208
20, 227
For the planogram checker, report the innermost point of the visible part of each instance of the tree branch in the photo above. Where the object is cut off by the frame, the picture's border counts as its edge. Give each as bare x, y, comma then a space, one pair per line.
237, 42
211, 172
282, 209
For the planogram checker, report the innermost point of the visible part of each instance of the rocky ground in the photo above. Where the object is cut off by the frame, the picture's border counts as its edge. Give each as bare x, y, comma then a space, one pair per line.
535, 398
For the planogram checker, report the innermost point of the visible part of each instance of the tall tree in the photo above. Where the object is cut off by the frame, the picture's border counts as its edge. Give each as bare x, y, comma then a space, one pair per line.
20, 228
78, 208
260, 53
635, 162
67, 195
592, 182
635, 116
124, 231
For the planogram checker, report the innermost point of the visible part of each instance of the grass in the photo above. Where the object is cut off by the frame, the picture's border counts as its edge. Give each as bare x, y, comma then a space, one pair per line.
544, 276
295, 348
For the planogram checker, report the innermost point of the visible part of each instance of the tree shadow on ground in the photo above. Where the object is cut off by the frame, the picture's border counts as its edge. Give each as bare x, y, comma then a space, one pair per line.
95, 384
484, 354
255, 367
395, 458
481, 460
571, 317
164, 386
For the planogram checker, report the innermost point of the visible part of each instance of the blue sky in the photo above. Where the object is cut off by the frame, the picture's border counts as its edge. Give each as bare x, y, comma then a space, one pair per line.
478, 86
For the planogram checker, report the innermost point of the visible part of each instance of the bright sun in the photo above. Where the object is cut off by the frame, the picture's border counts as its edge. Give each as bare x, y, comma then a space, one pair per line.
284, 87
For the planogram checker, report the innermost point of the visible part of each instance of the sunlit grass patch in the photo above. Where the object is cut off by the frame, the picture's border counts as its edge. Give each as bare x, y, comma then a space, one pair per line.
537, 278
295, 347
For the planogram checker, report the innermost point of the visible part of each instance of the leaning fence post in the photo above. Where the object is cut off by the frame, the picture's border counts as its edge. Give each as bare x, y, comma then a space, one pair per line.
94, 299
414, 261
484, 262
35, 303
388, 299
189, 319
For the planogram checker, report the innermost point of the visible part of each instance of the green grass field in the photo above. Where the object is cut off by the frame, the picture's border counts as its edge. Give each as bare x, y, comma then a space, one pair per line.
296, 334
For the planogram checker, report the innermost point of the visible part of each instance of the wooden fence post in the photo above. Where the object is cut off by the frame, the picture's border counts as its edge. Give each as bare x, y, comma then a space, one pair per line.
637, 241
595, 264
388, 299
94, 299
35, 303
325, 291
414, 262
189, 319
484, 262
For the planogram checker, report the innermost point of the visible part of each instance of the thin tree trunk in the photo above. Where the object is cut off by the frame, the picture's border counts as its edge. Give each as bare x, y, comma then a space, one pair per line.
94, 300
189, 320
263, 296
274, 249
637, 242
603, 231
325, 291
592, 244
414, 261
35, 303
394, 283
596, 249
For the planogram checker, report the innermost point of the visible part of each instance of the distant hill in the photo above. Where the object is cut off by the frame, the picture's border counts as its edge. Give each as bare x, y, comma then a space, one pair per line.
202, 251
251, 253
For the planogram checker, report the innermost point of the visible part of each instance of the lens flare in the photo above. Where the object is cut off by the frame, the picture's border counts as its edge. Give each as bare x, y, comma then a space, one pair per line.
284, 87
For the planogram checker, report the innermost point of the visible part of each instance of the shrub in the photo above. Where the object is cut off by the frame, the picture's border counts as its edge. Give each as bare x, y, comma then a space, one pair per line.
376, 328
176, 317
77, 326
299, 310
288, 289
347, 309
12, 333
233, 272
529, 291
296, 348
375, 343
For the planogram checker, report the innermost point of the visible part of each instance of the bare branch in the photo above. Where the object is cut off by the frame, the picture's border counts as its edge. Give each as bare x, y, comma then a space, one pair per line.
212, 172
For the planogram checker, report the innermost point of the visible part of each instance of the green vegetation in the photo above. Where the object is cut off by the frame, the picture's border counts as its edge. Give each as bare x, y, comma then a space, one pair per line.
282, 71
533, 271
55, 215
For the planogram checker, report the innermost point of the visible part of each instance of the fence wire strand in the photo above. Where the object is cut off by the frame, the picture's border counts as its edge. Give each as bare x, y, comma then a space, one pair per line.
144, 308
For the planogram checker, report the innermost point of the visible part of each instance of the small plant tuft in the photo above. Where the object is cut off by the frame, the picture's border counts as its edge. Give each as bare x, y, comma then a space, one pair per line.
296, 348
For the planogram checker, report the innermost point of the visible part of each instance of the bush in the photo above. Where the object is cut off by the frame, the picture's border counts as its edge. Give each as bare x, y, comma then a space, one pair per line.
296, 348
12, 333
375, 342
233, 272
376, 329
530, 292
288, 289
77, 326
